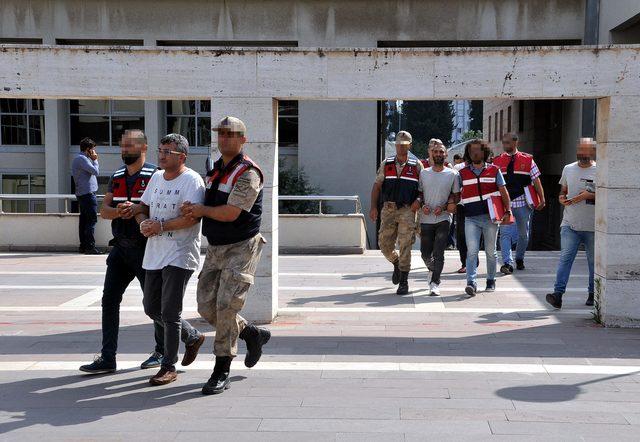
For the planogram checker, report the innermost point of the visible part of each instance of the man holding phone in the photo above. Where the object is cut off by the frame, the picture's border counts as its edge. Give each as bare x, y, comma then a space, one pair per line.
85, 169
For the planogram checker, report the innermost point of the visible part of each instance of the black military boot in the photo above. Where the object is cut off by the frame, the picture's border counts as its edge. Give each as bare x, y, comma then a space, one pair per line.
395, 278
403, 287
219, 380
255, 338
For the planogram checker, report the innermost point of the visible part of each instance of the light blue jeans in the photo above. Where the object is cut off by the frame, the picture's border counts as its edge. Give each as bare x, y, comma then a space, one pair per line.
474, 228
518, 234
570, 241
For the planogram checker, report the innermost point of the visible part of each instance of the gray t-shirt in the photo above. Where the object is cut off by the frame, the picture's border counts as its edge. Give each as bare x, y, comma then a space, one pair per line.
436, 188
179, 248
580, 216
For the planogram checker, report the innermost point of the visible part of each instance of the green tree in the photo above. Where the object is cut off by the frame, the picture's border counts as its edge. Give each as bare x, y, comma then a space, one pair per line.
471, 134
428, 119
292, 182
475, 115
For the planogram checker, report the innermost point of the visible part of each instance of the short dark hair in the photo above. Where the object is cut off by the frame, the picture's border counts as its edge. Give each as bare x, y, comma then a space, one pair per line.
136, 134
87, 143
457, 157
485, 149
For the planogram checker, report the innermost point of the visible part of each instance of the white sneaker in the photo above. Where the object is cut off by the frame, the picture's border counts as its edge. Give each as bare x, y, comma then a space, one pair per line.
435, 289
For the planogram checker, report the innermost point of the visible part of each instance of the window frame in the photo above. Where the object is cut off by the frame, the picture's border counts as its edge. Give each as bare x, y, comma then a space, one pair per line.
110, 115
296, 117
197, 116
28, 113
31, 202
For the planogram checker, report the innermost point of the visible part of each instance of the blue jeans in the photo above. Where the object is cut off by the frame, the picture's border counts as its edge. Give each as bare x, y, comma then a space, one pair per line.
570, 240
508, 234
474, 228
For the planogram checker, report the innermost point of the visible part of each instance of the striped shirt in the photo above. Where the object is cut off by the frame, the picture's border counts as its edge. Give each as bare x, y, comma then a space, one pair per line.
521, 201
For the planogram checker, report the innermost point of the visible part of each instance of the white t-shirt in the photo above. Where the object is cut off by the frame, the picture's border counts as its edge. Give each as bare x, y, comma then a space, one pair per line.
179, 248
580, 216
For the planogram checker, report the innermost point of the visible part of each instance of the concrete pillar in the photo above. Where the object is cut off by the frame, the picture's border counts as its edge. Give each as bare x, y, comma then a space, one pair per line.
617, 264
154, 127
261, 118
56, 151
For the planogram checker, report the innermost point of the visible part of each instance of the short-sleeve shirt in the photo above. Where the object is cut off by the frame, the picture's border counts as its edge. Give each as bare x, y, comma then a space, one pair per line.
179, 248
436, 187
580, 216
399, 167
245, 191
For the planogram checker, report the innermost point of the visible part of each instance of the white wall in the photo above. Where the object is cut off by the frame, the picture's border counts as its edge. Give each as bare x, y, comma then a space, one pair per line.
338, 145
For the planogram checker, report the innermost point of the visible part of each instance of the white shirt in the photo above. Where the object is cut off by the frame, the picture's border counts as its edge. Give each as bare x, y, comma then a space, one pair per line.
179, 248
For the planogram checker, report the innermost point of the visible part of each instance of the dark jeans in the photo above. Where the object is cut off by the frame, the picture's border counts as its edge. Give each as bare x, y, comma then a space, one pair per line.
433, 240
123, 265
88, 218
461, 241
163, 293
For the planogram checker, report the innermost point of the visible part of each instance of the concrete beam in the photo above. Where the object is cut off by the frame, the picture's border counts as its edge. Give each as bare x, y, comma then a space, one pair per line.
315, 73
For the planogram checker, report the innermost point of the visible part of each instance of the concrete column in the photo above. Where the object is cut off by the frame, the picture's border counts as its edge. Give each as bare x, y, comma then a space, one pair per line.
617, 269
261, 119
56, 151
154, 127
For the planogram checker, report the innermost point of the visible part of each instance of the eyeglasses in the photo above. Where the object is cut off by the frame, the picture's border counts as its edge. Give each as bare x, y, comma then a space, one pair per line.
168, 152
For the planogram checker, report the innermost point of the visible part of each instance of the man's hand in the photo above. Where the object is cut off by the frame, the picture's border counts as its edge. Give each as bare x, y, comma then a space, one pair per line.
415, 206
506, 219
373, 214
192, 211
91, 153
126, 210
150, 228
564, 200
541, 205
580, 197
437, 211
426, 210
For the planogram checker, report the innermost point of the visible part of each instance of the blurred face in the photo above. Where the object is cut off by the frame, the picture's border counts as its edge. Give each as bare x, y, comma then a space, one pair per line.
508, 144
230, 143
169, 159
476, 153
439, 154
458, 160
585, 153
131, 148
402, 149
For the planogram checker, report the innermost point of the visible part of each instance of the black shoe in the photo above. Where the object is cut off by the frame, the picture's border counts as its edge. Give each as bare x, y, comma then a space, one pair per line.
255, 338
589, 300
507, 269
555, 299
491, 285
471, 289
99, 366
403, 286
153, 361
93, 251
520, 264
81, 250
395, 278
219, 380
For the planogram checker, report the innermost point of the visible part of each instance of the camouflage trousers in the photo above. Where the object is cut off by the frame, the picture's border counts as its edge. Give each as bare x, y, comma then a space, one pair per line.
226, 276
397, 225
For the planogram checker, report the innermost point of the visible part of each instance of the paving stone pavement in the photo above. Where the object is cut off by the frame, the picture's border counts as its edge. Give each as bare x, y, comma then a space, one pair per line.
348, 361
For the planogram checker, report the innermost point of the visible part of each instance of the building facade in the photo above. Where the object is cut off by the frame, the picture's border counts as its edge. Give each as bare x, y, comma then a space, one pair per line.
337, 144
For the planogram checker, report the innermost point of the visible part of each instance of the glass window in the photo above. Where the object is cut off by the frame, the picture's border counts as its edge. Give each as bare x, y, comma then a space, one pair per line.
21, 122
15, 184
192, 119
288, 123
104, 121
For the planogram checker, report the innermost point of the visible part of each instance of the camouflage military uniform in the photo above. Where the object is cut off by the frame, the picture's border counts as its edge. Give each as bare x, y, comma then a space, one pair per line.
228, 273
397, 225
